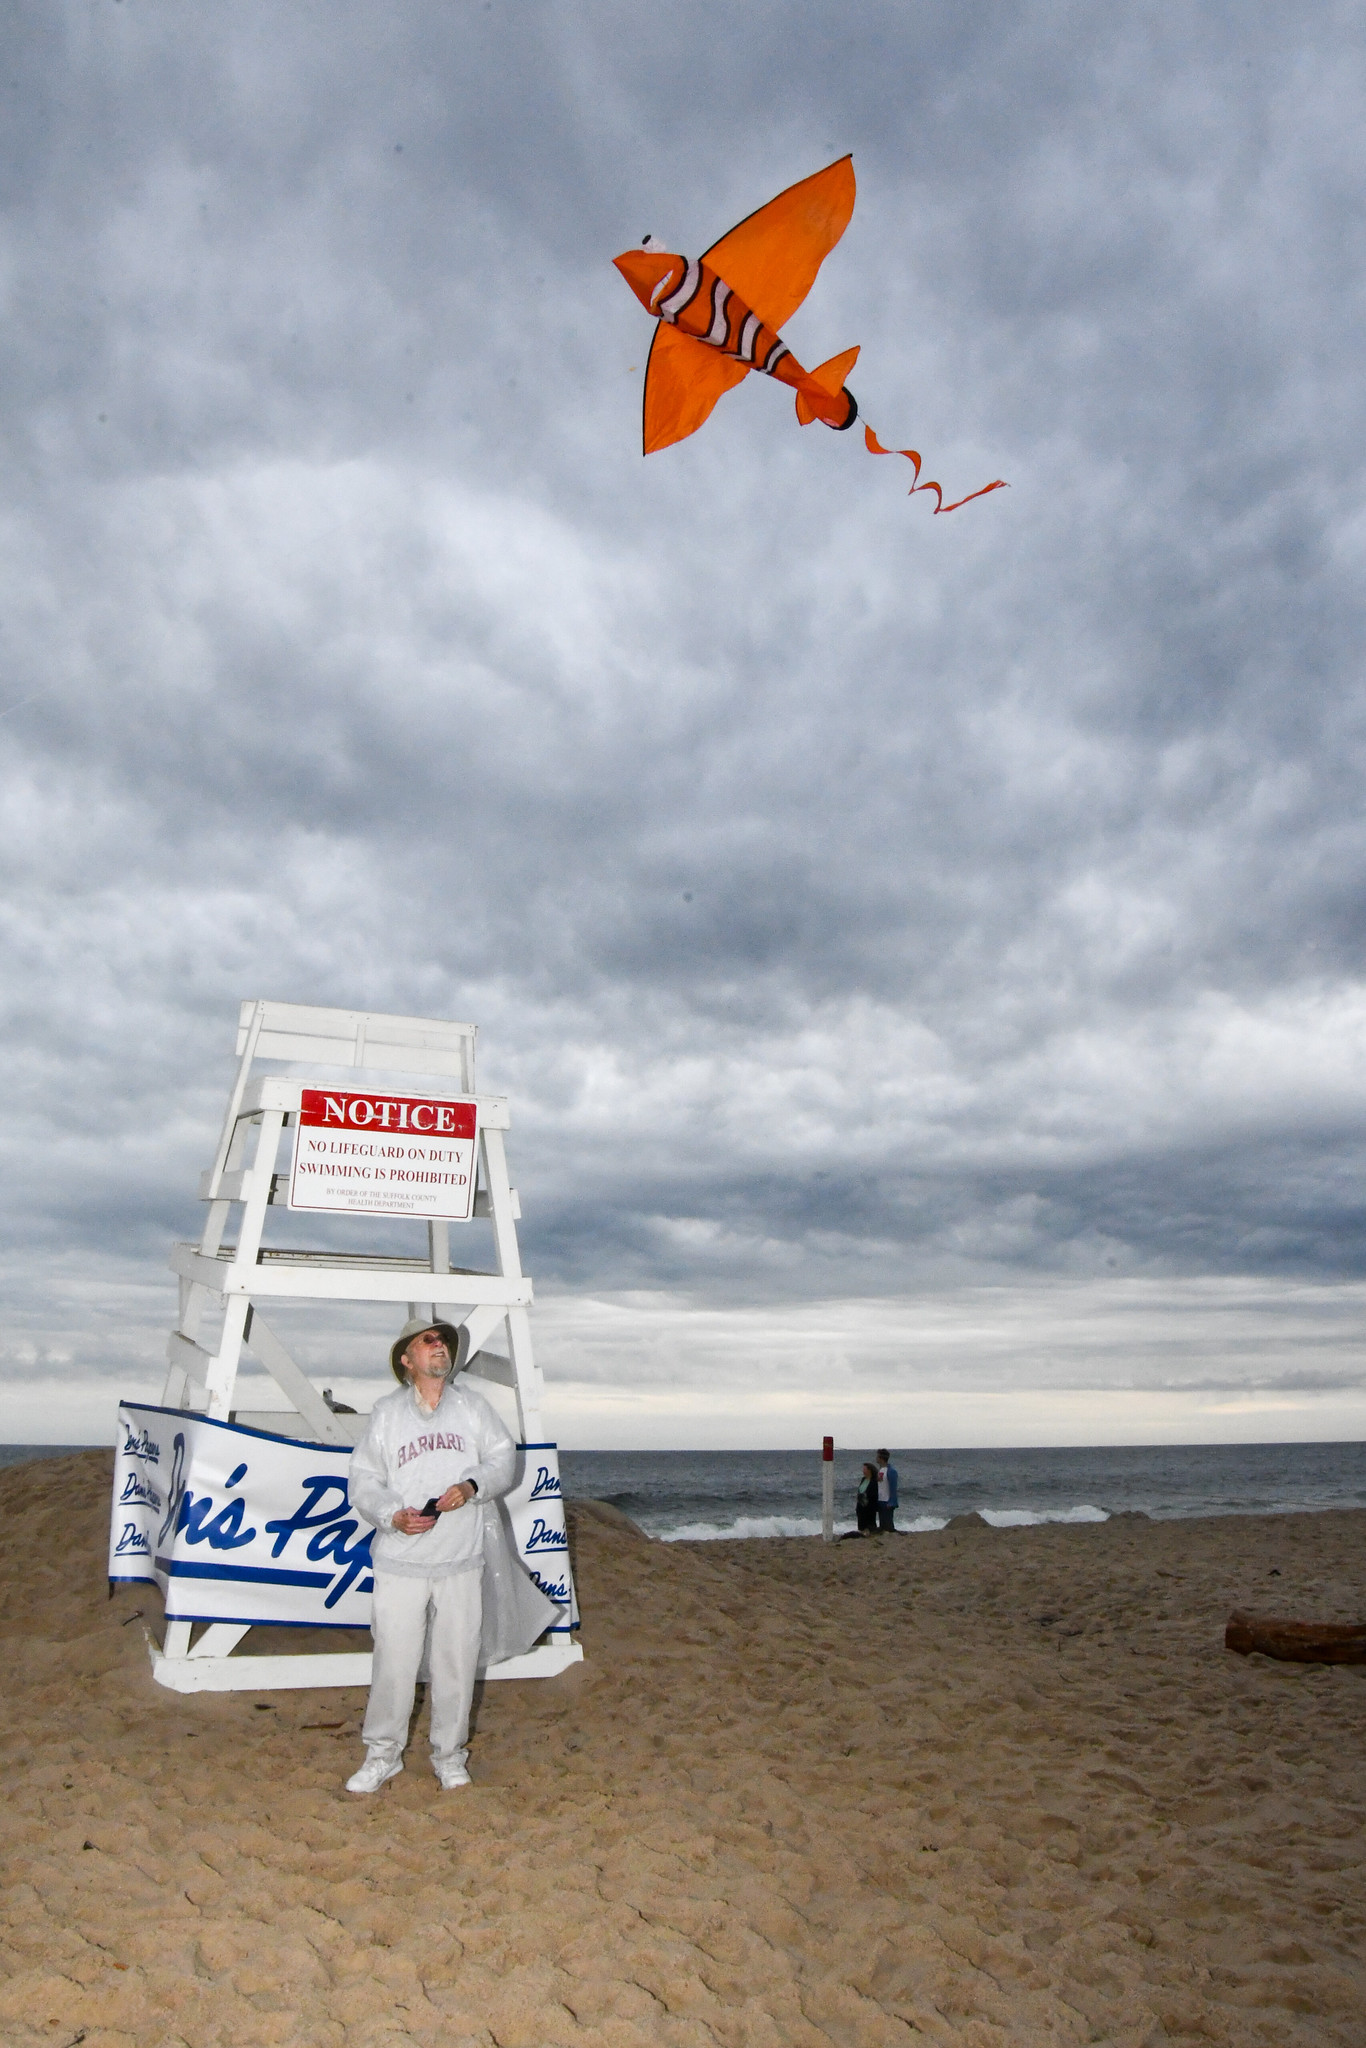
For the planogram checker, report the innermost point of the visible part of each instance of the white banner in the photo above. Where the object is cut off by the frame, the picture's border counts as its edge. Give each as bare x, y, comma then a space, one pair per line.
384, 1155
536, 1510
237, 1525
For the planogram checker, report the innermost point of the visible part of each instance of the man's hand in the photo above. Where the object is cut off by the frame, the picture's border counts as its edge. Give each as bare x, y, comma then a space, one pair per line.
456, 1496
412, 1522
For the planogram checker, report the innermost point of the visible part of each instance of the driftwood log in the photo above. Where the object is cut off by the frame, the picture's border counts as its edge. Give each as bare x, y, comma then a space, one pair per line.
1297, 1642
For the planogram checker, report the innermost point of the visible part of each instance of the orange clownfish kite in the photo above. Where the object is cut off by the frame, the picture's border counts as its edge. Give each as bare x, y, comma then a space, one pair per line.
710, 331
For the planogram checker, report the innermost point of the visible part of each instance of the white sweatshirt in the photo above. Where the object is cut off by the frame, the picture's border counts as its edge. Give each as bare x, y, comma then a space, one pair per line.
410, 1453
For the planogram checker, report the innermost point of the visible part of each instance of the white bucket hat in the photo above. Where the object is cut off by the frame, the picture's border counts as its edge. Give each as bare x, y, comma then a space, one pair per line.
457, 1343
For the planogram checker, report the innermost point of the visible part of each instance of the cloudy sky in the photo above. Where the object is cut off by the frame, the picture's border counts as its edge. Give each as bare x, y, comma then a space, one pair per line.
924, 955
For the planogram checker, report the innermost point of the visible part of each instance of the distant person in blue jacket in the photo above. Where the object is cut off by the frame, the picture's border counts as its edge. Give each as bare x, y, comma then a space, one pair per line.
886, 1494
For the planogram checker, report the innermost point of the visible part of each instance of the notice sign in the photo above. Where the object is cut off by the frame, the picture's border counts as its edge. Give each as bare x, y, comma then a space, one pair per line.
384, 1155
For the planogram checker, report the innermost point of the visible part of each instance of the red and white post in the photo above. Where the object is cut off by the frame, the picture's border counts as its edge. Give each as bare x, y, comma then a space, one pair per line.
828, 1489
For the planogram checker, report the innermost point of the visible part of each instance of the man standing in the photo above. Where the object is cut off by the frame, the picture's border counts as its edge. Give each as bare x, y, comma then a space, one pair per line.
886, 1494
434, 1445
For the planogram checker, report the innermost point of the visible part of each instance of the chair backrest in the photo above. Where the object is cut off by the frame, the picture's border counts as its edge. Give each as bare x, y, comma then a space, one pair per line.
357, 1038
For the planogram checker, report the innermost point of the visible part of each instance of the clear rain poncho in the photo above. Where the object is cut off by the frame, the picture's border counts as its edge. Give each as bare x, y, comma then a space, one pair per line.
516, 1611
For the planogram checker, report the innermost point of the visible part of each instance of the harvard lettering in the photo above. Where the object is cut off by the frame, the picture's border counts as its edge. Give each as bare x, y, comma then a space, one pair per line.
439, 1440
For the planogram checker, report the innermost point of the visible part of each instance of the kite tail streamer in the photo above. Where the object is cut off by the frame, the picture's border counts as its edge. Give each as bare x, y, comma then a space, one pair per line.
999, 485
875, 447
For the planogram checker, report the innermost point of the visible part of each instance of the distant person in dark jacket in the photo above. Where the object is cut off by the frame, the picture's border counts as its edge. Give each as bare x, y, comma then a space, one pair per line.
865, 1503
886, 1493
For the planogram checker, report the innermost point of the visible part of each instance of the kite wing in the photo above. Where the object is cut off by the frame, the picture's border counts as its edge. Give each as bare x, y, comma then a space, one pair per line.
772, 257
683, 380
770, 261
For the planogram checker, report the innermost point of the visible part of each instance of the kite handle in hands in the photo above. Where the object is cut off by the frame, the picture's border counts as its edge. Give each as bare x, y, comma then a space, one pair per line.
875, 447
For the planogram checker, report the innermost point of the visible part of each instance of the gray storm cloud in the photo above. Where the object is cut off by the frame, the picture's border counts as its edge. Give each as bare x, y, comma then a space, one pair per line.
855, 904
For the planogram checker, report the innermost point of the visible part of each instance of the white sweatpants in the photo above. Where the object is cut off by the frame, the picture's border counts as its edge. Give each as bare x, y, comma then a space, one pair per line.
456, 1605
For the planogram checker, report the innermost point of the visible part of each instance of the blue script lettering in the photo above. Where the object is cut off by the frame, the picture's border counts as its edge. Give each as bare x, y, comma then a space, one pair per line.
141, 1446
137, 1492
132, 1539
546, 1484
177, 1485
554, 1589
224, 1532
546, 1536
333, 1527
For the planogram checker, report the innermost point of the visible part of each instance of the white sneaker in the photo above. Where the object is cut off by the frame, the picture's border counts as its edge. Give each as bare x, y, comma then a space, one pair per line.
377, 1770
451, 1776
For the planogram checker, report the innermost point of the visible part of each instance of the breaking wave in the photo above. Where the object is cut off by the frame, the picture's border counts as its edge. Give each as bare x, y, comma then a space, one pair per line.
810, 1525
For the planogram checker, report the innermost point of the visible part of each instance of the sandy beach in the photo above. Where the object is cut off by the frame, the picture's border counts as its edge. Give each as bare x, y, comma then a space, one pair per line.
985, 1787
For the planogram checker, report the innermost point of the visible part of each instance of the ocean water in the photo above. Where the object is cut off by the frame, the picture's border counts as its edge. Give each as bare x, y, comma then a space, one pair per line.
696, 1495
20, 1454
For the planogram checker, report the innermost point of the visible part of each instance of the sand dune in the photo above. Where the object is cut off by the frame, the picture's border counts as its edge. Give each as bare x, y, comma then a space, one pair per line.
985, 1788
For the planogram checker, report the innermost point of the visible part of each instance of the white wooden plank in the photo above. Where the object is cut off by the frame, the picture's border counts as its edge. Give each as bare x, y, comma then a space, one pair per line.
330, 1023
220, 1638
284, 1280
223, 1366
236, 1186
256, 1199
248, 1033
547, 1660
188, 1358
391, 1059
223, 1371
500, 1201
530, 1382
260, 1674
292, 1382
289, 1422
488, 1365
481, 1324
326, 1668
359, 1038
216, 1222
333, 1023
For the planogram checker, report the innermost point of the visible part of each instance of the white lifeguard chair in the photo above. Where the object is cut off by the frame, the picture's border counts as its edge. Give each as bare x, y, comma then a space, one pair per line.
240, 1280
